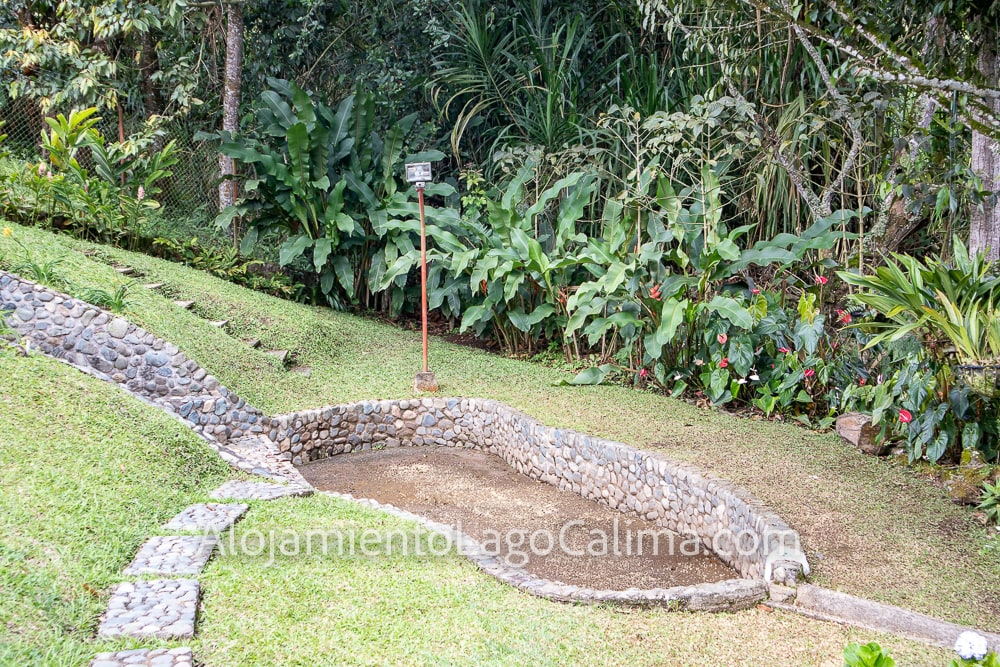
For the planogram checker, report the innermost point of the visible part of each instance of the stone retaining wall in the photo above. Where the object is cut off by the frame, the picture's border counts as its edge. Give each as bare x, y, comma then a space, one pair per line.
118, 351
674, 495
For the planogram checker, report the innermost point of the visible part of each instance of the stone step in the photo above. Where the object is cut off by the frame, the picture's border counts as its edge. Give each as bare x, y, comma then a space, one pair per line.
218, 324
172, 555
206, 517
145, 657
153, 286
155, 609
252, 342
237, 490
280, 355
186, 305
303, 370
125, 270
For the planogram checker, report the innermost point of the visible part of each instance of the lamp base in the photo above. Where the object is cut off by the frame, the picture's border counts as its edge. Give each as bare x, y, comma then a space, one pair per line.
424, 381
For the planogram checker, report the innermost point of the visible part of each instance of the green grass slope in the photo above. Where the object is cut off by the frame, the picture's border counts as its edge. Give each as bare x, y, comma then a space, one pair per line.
869, 528
86, 474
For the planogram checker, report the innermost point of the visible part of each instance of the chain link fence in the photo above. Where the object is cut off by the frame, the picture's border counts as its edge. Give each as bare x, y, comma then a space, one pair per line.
191, 190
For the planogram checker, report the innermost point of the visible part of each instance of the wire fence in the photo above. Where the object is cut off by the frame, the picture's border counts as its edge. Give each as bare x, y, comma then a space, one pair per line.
191, 190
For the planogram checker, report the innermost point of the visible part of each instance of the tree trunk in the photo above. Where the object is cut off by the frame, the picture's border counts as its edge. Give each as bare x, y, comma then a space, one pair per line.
231, 98
984, 222
149, 64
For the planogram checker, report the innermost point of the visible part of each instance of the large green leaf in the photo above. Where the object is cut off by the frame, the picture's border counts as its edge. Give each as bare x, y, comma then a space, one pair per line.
280, 108
345, 274
671, 317
590, 376
731, 310
293, 248
321, 250
474, 315
298, 155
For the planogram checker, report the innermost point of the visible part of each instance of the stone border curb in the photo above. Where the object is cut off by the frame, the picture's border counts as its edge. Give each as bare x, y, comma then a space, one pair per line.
828, 605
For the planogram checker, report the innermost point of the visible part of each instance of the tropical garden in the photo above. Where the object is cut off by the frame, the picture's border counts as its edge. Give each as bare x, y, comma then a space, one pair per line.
783, 210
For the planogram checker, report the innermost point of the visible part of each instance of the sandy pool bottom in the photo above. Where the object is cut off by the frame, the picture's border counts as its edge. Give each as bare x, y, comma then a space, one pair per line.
553, 534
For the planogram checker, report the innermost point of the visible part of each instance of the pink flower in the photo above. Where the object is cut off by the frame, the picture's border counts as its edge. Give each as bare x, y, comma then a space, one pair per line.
844, 316
724, 362
905, 416
784, 350
861, 381
643, 373
821, 280
41, 168
755, 291
722, 338
809, 372
141, 194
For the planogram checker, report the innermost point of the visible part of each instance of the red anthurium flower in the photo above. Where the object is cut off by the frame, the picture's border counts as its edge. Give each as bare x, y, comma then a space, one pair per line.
905, 416
809, 372
722, 338
643, 373
861, 381
784, 350
821, 280
724, 362
844, 316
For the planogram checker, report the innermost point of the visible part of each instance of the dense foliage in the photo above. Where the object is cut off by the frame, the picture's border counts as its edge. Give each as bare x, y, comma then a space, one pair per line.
686, 197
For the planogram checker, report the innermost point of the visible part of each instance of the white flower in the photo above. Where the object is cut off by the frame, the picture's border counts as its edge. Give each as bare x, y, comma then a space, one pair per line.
741, 381
971, 646
755, 377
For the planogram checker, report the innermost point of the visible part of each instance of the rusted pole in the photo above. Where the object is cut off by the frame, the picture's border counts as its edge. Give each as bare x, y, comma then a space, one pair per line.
423, 271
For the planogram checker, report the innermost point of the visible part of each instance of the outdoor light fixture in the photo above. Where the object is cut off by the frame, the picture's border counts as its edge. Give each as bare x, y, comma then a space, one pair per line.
419, 173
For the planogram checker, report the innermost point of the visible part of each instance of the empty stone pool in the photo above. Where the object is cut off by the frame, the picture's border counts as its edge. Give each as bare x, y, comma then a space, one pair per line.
551, 533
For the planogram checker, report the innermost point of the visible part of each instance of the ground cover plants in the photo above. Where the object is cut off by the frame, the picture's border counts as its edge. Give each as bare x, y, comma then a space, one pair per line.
934, 557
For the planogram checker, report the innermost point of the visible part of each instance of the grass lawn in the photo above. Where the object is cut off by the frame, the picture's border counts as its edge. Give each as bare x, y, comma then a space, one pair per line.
869, 528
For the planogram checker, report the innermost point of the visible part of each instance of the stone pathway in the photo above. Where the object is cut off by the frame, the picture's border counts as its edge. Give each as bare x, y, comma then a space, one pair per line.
206, 518
257, 491
259, 456
167, 608
176, 554
157, 609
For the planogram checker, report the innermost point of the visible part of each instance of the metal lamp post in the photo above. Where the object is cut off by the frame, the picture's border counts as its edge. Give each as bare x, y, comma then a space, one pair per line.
419, 173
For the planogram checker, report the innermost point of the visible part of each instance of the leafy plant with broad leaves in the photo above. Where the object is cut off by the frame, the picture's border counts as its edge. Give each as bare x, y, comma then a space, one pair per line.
991, 502
524, 260
682, 306
868, 655
328, 183
99, 189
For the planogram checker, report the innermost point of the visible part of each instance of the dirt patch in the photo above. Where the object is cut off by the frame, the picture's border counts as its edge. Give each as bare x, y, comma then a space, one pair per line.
553, 534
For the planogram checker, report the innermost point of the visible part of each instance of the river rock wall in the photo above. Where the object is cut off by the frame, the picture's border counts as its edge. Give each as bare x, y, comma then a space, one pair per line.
676, 496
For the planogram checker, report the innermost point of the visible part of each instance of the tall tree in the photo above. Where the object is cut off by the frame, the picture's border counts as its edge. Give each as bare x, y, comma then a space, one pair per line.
231, 98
